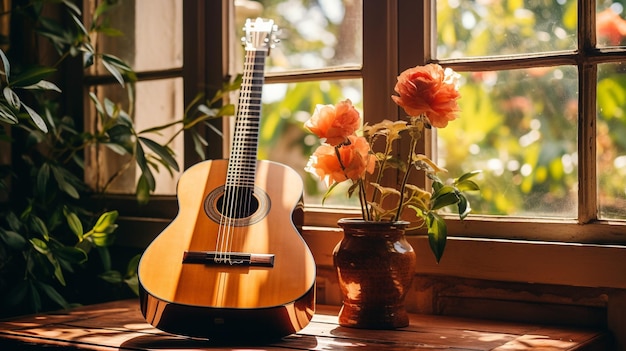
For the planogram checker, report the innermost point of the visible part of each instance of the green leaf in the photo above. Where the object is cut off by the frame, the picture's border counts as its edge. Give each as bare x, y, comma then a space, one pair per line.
105, 258
143, 165
118, 149
226, 110
31, 76
11, 97
38, 226
43, 85
117, 67
80, 25
114, 72
116, 61
72, 7
109, 31
64, 185
162, 151
133, 284
7, 115
43, 175
76, 226
122, 136
204, 109
443, 197
467, 185
133, 265
96, 103
468, 175
14, 222
12, 239
71, 254
142, 191
7, 66
103, 7
113, 277
464, 207
437, 234
36, 119
53, 294
58, 272
40, 246
198, 144
87, 59
102, 239
35, 298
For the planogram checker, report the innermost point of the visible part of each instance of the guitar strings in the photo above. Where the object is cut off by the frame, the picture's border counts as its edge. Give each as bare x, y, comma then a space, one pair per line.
238, 193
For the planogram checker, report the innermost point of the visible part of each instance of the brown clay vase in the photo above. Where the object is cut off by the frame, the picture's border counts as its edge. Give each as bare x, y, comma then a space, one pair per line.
375, 266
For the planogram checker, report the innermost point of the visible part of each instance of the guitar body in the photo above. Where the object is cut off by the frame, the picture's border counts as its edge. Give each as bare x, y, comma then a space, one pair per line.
265, 290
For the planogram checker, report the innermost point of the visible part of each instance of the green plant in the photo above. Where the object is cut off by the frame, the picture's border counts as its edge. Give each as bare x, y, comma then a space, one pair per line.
48, 236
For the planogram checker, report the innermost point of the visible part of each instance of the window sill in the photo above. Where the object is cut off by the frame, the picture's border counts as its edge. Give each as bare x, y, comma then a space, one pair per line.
586, 265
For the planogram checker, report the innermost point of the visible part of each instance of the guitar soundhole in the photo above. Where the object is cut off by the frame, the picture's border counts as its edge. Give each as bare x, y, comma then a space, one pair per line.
238, 206
242, 203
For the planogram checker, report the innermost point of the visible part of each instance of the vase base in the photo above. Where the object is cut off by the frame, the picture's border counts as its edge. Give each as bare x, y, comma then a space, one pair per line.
373, 317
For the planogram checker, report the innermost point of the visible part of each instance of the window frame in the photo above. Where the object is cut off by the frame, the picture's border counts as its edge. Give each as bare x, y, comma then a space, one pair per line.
581, 252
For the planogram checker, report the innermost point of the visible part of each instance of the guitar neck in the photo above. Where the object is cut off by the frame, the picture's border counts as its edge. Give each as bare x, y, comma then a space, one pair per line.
243, 155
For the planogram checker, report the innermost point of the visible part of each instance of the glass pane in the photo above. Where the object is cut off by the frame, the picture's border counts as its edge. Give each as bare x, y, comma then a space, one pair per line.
309, 32
157, 103
610, 23
611, 145
283, 138
520, 128
468, 28
152, 35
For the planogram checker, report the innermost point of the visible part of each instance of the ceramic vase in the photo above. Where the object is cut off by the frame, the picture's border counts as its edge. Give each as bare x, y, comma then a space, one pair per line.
375, 265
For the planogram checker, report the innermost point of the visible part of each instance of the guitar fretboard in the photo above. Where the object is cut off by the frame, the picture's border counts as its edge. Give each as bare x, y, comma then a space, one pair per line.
243, 156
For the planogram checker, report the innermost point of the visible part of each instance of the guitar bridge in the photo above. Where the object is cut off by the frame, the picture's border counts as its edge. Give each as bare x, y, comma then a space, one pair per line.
229, 258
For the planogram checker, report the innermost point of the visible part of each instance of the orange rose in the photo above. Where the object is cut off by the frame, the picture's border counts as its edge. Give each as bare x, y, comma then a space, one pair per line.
428, 90
334, 123
355, 161
356, 157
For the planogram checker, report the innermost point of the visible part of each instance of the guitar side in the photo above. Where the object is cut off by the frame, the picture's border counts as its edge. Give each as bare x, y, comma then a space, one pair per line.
197, 296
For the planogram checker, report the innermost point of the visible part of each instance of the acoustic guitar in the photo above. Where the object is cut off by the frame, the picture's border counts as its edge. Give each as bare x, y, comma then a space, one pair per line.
233, 263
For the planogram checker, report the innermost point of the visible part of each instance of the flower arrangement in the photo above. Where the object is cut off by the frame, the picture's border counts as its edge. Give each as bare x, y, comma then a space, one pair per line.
428, 94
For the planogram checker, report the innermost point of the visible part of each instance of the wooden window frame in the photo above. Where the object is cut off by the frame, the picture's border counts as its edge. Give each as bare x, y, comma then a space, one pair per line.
584, 252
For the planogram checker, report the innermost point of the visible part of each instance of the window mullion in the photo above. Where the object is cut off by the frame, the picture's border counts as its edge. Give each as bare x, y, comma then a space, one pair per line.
588, 73
380, 48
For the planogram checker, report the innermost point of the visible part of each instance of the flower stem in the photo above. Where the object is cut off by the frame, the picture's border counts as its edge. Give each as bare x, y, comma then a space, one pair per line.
363, 200
405, 179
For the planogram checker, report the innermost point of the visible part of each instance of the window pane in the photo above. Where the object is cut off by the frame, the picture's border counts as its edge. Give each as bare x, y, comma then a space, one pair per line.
152, 35
283, 138
157, 103
611, 145
610, 23
468, 28
520, 128
310, 32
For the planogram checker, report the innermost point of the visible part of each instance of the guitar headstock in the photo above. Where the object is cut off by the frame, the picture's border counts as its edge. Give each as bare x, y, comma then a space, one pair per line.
260, 34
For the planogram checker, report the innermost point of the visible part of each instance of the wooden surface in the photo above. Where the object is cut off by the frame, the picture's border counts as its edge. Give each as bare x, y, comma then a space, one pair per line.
119, 325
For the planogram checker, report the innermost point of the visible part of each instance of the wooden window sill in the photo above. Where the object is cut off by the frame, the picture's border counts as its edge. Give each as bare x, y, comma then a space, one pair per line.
119, 325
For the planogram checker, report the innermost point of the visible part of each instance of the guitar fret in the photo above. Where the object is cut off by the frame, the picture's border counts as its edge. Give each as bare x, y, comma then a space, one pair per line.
243, 156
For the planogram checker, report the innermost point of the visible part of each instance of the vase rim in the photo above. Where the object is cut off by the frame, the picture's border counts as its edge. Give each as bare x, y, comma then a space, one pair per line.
361, 220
